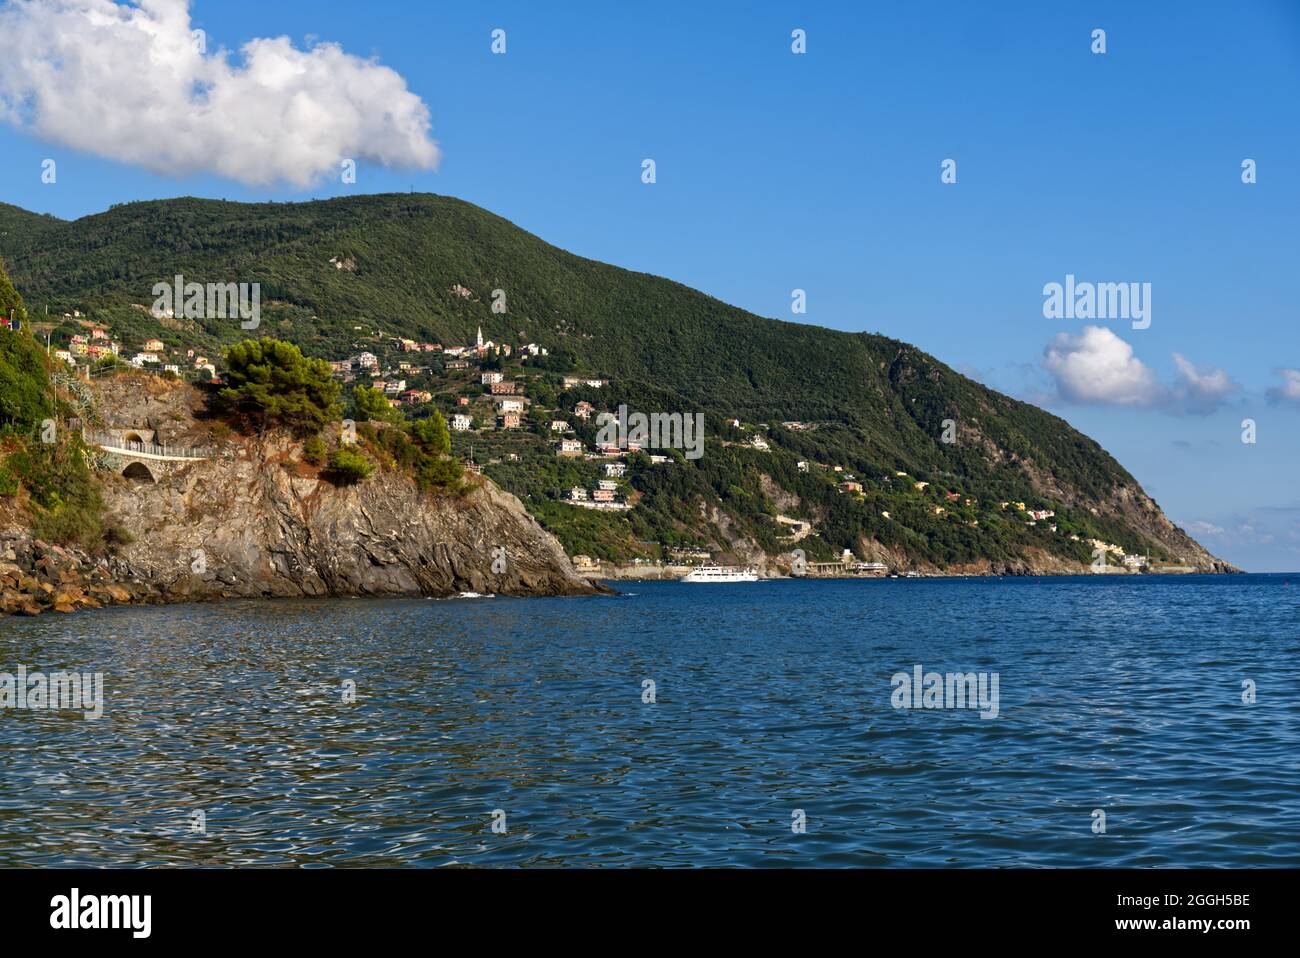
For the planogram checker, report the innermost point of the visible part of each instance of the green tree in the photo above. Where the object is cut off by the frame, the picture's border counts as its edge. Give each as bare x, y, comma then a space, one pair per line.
436, 467
24, 399
313, 450
348, 465
432, 434
271, 383
369, 403
11, 304
24, 379
65, 499
442, 473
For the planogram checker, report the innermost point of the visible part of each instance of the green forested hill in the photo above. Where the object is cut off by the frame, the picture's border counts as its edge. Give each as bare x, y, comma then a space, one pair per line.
880, 403
18, 224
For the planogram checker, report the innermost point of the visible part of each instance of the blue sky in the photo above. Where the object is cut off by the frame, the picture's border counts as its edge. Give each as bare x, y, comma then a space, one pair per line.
821, 171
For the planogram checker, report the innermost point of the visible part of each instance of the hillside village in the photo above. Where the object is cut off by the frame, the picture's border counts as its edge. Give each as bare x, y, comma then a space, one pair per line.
515, 417
504, 415
95, 348
409, 374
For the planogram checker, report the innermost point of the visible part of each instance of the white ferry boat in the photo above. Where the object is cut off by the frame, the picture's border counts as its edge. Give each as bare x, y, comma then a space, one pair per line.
721, 573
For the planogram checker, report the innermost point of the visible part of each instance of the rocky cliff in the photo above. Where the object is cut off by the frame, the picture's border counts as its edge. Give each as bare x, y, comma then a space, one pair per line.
253, 519
256, 521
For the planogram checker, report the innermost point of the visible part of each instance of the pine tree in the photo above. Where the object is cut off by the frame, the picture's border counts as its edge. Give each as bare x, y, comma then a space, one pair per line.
11, 304
272, 383
24, 379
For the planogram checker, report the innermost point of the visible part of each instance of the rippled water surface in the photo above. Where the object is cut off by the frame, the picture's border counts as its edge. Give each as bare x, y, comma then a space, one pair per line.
1118, 695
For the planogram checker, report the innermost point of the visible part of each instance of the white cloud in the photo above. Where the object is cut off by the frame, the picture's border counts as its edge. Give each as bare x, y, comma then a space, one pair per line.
1289, 391
1099, 367
1200, 391
127, 82
1263, 538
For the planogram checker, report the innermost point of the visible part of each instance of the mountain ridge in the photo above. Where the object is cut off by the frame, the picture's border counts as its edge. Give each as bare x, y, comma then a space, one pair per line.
880, 404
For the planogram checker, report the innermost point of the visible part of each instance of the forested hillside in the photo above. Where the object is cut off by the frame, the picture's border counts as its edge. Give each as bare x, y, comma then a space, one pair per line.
337, 275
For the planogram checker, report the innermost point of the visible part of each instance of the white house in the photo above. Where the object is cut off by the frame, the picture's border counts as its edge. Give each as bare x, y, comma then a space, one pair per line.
615, 470
461, 423
571, 381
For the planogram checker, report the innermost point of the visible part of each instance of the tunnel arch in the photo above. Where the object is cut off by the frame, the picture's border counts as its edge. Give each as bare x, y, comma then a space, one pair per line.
139, 472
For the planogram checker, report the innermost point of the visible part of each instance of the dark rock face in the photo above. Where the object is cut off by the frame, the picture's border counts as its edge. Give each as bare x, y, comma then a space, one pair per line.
168, 409
255, 522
